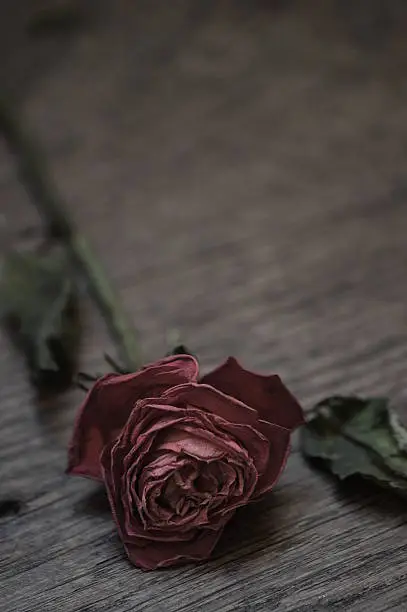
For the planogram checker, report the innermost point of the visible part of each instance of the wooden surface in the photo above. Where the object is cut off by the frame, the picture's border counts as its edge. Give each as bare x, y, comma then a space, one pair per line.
240, 168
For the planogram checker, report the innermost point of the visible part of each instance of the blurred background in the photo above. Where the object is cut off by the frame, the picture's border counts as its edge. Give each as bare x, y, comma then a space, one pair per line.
239, 168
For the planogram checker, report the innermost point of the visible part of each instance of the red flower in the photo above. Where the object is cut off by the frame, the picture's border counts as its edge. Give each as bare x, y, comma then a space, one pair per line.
178, 455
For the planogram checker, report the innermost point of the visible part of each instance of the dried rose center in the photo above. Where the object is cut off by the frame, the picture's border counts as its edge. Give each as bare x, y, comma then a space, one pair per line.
198, 486
191, 477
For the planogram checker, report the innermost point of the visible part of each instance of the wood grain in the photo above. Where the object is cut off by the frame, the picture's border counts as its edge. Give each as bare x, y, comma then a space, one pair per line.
241, 170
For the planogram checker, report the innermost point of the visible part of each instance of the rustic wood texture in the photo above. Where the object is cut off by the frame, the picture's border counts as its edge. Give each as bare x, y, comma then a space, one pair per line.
240, 167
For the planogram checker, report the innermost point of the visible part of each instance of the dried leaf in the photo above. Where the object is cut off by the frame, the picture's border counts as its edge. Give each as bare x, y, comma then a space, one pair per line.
358, 437
38, 301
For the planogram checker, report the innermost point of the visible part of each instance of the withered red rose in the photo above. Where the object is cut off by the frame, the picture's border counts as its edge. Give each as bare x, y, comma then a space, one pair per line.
179, 454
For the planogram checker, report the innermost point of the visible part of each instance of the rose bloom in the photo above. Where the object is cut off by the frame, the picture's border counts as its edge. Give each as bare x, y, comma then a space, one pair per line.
178, 454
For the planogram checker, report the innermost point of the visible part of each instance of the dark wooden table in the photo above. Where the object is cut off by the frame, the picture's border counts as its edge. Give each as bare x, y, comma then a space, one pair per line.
240, 168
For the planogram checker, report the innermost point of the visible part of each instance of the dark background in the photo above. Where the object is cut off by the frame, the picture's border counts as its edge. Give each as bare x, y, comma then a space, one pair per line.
240, 169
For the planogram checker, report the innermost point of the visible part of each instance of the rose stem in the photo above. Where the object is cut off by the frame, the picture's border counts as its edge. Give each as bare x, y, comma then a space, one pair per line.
34, 174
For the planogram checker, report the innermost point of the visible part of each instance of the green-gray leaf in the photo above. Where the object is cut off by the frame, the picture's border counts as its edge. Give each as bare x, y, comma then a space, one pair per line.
358, 437
38, 301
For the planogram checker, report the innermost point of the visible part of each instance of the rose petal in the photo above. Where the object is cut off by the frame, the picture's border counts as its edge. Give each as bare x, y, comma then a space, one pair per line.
209, 399
110, 468
191, 443
254, 442
109, 403
164, 554
266, 394
158, 469
151, 416
126, 516
278, 454
219, 431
